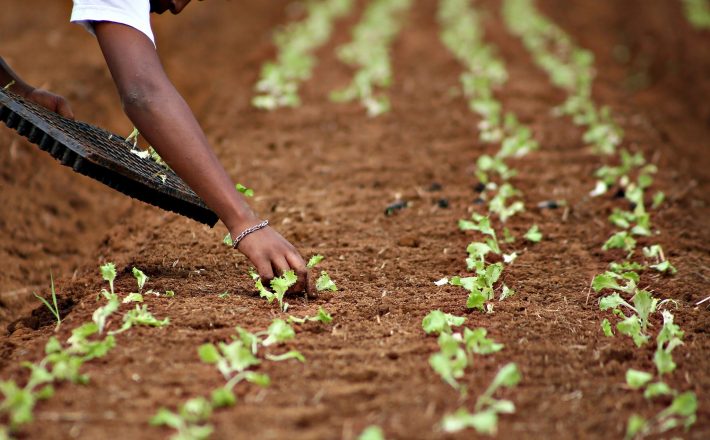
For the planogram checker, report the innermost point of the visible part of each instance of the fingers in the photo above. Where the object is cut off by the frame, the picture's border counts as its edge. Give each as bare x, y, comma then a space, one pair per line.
63, 108
298, 266
263, 266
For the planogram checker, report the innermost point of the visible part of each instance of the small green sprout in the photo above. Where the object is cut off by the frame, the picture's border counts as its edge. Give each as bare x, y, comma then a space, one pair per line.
293, 354
657, 389
190, 422
372, 432
247, 192
325, 283
533, 235
485, 418
169, 293
636, 379
322, 316
314, 260
606, 328
279, 331
140, 316
224, 294
438, 322
140, 277
227, 240
132, 297
108, 273
279, 285
223, 397
53, 307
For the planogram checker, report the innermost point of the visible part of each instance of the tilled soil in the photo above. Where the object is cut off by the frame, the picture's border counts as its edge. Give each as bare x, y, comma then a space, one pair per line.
323, 174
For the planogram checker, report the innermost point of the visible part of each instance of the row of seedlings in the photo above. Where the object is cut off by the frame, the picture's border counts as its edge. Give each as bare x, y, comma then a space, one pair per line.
280, 79
697, 12
63, 362
369, 53
485, 71
238, 360
636, 310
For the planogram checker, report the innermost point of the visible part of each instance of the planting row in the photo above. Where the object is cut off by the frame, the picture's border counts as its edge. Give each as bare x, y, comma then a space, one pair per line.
636, 310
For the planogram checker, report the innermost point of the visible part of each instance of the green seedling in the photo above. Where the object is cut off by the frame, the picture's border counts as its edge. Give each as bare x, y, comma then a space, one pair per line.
140, 277
108, 273
247, 192
438, 322
697, 12
224, 294
140, 316
621, 240
190, 422
476, 341
325, 283
279, 80
101, 314
133, 297
314, 260
279, 286
670, 337
636, 379
485, 418
533, 235
372, 432
450, 362
53, 307
321, 316
606, 328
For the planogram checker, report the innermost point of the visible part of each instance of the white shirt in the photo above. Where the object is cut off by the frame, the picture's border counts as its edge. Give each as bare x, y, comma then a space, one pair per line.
133, 13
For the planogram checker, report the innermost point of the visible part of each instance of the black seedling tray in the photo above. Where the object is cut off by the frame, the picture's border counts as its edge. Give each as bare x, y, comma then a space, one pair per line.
104, 156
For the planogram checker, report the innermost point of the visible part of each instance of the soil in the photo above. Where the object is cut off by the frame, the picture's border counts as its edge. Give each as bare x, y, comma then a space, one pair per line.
324, 174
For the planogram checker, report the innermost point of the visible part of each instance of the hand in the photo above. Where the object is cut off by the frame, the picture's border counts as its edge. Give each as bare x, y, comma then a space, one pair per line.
273, 255
50, 101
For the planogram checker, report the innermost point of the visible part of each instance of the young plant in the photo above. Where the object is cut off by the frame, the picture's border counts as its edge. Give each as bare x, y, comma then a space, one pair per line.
53, 307
279, 286
190, 421
485, 418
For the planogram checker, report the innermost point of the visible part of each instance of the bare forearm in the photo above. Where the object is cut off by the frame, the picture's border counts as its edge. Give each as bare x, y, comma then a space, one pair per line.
7, 76
167, 123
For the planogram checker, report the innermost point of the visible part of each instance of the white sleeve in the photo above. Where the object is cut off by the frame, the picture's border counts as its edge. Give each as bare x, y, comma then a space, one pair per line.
133, 13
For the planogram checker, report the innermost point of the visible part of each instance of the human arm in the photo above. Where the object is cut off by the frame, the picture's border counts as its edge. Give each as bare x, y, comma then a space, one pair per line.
162, 116
12, 81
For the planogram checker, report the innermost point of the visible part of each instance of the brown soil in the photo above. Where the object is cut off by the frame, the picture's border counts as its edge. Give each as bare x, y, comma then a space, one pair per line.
323, 174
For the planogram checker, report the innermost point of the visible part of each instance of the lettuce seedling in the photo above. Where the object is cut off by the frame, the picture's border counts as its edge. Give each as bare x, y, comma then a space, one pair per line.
53, 307
108, 273
322, 315
314, 260
606, 328
372, 433
485, 418
476, 341
133, 297
190, 422
292, 354
230, 359
140, 277
450, 362
140, 316
620, 240
533, 235
247, 192
438, 322
101, 314
325, 283
279, 285
667, 340
636, 379
279, 331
